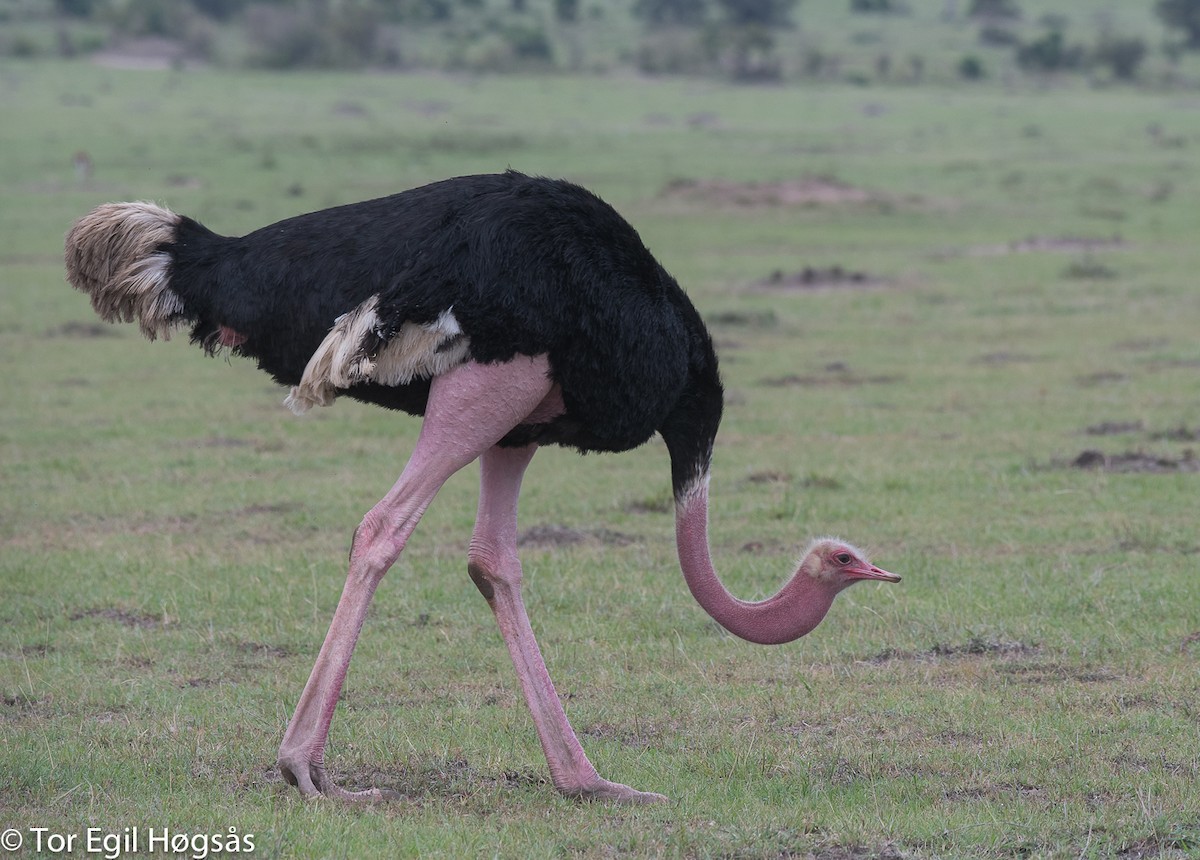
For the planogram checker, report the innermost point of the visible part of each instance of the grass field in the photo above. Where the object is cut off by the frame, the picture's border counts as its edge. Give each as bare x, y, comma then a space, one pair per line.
956, 325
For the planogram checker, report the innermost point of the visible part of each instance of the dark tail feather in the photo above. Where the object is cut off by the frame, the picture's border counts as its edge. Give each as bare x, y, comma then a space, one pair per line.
114, 254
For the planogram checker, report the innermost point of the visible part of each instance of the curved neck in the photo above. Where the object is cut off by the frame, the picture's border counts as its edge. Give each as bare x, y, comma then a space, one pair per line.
791, 612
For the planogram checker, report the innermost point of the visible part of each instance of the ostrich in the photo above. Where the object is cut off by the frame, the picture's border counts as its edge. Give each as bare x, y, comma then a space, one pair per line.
511, 312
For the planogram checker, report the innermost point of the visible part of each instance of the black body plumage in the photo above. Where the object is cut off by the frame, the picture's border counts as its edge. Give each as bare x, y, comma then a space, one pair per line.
526, 265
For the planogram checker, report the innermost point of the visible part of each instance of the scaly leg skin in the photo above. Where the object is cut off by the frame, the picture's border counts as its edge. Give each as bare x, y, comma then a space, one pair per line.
470, 409
496, 571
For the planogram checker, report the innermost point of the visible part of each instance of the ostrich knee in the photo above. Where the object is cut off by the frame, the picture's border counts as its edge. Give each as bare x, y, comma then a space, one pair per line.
489, 571
374, 548
480, 578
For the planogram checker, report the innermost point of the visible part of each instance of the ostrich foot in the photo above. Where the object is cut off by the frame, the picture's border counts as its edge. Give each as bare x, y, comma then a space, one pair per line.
312, 781
603, 790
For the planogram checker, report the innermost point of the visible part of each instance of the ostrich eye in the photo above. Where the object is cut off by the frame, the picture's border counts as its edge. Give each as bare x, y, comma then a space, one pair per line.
843, 558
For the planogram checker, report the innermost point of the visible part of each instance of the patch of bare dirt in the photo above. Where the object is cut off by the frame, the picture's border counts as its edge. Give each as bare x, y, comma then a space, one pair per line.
1177, 434
258, 526
82, 330
1159, 846
1135, 462
814, 481
526, 779
427, 107
265, 651
125, 617
20, 707
1175, 364
976, 646
992, 790
1057, 673
180, 180
804, 191
19, 702
1139, 460
640, 737
1141, 344
769, 476
887, 851
836, 374
277, 508
350, 109
1100, 377
453, 778
553, 535
654, 505
1003, 357
818, 278
749, 319
1114, 428
759, 547
1086, 268
226, 442
1067, 244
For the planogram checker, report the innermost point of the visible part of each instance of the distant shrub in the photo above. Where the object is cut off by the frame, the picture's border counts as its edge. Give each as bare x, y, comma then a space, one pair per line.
745, 52
1054, 21
352, 33
672, 51
1181, 15
757, 13
218, 10
529, 43
670, 13
284, 38
994, 9
305, 35
153, 18
428, 11
916, 67
996, 35
1122, 55
487, 52
817, 64
1049, 53
970, 68
20, 46
877, 7
81, 43
77, 8
566, 11
503, 46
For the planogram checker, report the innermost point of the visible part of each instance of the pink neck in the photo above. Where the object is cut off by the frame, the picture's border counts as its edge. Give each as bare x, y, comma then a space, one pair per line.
794, 610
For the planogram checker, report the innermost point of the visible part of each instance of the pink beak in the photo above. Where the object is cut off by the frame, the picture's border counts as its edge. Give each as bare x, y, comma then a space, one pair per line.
870, 571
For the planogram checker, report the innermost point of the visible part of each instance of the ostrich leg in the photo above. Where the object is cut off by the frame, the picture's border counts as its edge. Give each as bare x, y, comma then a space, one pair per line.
470, 409
496, 571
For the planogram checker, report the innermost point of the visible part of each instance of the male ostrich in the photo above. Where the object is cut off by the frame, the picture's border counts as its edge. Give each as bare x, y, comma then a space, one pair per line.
511, 312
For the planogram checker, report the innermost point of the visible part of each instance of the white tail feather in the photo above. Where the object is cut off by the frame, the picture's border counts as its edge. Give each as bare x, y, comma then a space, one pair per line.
415, 351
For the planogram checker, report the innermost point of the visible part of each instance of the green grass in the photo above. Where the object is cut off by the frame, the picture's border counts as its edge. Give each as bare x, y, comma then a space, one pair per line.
172, 540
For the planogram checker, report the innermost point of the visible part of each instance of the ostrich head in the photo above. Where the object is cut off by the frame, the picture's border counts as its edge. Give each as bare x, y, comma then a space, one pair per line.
838, 565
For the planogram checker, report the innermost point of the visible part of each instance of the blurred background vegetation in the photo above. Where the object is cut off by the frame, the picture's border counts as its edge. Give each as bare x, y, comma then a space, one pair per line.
1151, 43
